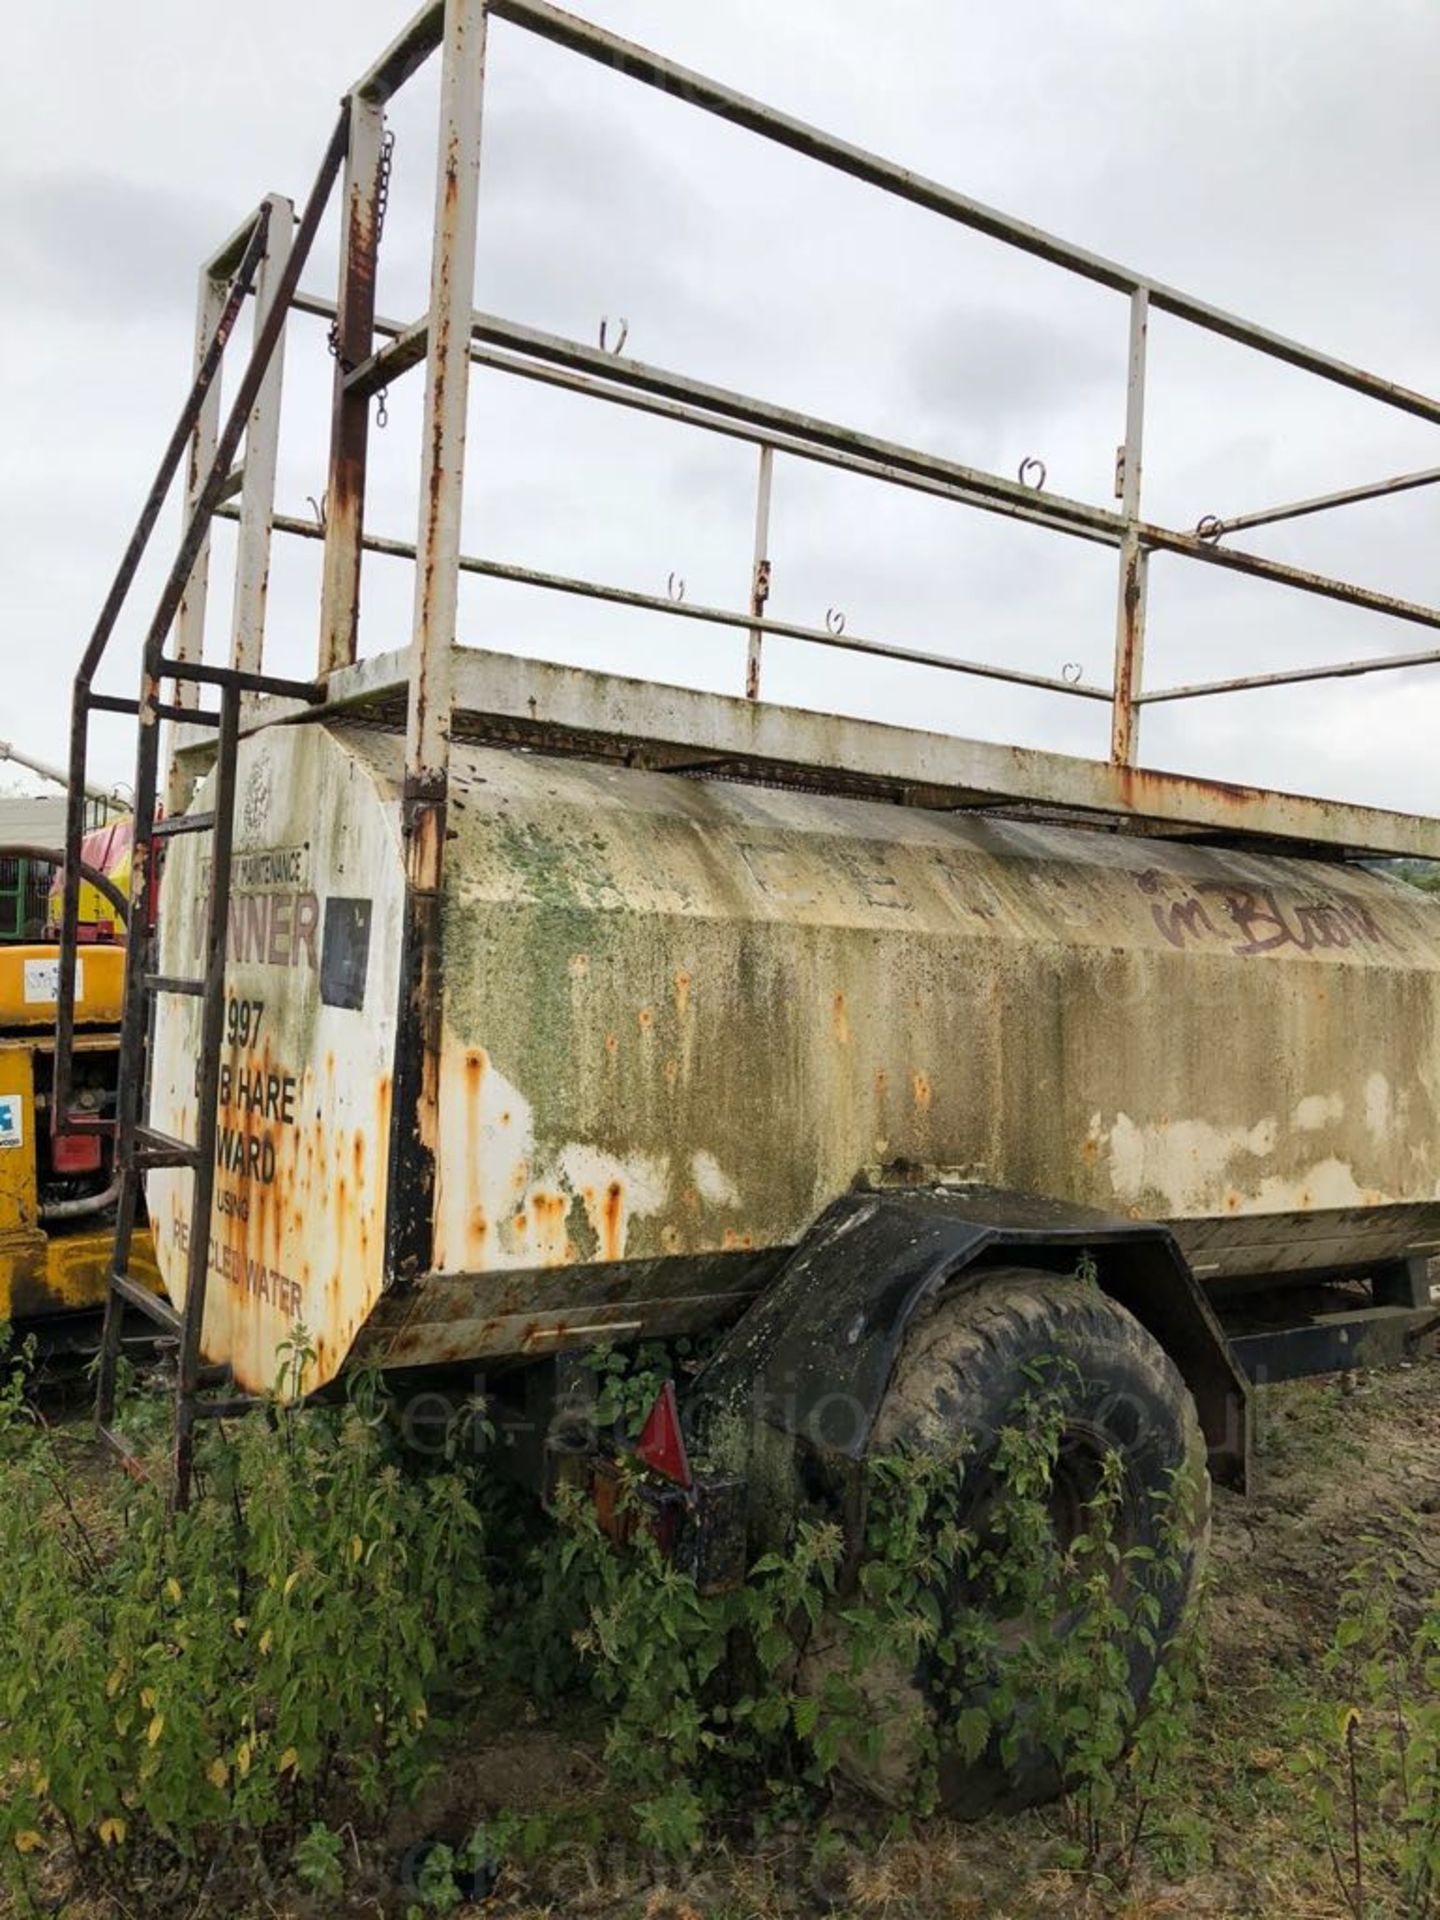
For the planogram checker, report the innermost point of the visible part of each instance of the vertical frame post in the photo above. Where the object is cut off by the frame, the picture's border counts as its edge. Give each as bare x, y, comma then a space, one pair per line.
353, 340
447, 387
262, 448
1134, 558
416, 1085
760, 573
190, 621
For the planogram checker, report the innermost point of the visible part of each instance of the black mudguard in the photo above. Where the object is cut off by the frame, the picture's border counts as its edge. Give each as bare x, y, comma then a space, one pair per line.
813, 1357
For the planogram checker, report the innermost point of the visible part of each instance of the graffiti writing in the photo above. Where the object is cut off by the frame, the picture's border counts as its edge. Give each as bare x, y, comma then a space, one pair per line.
1254, 920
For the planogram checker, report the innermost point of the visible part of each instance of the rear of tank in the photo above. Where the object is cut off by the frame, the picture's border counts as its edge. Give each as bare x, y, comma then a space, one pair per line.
296, 1238
679, 1017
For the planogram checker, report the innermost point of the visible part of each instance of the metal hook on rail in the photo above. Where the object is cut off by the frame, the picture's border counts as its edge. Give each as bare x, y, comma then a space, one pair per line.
834, 621
1073, 672
1030, 465
621, 337
1209, 528
319, 508
675, 588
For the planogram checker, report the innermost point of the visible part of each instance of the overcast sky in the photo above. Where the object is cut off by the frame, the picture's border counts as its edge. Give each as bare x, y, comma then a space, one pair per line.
1278, 157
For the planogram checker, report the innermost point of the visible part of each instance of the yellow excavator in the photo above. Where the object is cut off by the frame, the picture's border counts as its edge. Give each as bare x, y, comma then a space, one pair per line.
57, 1187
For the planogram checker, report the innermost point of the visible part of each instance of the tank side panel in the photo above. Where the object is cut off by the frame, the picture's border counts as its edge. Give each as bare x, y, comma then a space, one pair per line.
681, 1017
296, 1238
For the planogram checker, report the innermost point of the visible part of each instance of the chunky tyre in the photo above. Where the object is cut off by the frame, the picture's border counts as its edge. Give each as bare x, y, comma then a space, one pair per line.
965, 1367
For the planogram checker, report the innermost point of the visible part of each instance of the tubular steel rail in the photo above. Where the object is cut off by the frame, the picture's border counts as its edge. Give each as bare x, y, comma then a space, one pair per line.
449, 338
265, 258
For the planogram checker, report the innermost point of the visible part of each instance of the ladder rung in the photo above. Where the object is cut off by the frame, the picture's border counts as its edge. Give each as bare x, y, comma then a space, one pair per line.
154, 1305
155, 1149
182, 823
394, 358
168, 983
241, 679
187, 716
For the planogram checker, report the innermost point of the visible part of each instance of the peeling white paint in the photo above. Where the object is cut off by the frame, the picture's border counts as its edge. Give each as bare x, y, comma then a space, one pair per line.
1174, 1168
504, 1200
712, 1183
1319, 1110
1379, 1105
644, 1177
1178, 1160
1328, 1183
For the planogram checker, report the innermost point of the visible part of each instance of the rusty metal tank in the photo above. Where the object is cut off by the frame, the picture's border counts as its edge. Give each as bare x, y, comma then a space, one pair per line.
680, 1016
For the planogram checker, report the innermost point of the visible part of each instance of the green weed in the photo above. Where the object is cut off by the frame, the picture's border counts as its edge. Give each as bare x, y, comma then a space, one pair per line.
174, 1684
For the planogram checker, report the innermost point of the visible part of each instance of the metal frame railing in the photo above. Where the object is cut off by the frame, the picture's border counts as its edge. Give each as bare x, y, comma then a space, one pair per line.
450, 338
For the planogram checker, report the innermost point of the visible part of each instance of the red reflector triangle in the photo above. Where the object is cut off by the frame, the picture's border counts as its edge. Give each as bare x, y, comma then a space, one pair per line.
661, 1444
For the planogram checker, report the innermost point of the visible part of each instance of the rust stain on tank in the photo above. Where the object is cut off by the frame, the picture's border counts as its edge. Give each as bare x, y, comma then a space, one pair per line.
612, 1222
922, 1090
477, 1226
646, 1019
840, 1019
682, 992
547, 1213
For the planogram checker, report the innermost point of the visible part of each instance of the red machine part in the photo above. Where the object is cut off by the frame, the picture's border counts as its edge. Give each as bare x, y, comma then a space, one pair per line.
75, 1153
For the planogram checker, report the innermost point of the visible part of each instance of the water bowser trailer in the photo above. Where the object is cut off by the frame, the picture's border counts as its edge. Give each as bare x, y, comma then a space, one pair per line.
495, 1009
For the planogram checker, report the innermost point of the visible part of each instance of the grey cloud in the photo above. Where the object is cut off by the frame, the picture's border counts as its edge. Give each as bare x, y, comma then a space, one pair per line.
1272, 158
94, 246
977, 364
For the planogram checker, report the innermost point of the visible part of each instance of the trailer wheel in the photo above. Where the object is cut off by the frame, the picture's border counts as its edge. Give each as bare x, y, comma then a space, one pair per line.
961, 1373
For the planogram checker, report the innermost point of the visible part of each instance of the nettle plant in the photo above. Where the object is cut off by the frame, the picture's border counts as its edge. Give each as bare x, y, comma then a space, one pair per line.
1046, 1651
173, 1685
1018, 1639
1369, 1748
177, 1690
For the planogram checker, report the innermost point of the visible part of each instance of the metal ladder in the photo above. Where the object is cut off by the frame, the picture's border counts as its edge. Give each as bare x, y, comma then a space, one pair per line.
139, 1148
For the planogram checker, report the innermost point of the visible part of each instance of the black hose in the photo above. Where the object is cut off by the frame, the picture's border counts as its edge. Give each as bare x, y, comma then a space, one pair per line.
81, 1209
